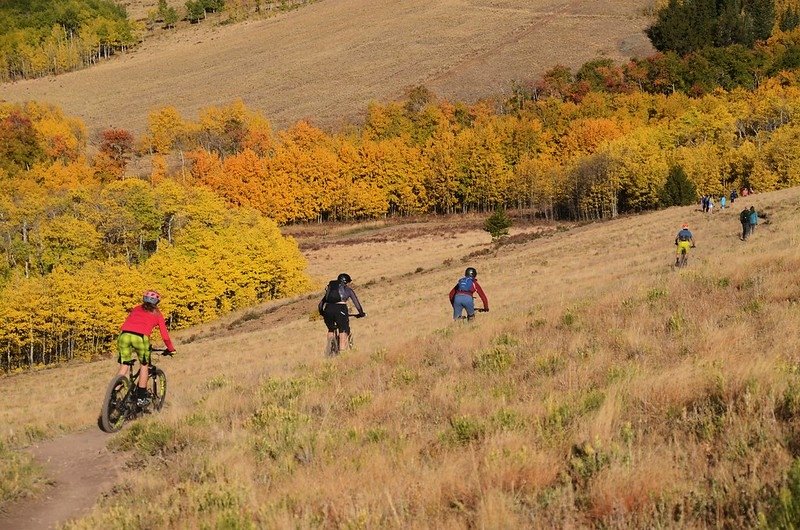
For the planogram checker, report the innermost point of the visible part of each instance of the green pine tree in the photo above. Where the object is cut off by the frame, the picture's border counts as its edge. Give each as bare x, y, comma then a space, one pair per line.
498, 223
678, 190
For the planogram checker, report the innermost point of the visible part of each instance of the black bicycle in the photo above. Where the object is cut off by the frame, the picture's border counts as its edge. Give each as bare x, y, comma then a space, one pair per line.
120, 403
332, 346
477, 310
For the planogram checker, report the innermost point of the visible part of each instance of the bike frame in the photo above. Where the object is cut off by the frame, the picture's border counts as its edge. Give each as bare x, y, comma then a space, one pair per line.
126, 406
333, 345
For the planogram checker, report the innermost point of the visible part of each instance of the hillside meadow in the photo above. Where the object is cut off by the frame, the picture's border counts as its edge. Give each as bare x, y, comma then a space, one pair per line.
603, 389
327, 61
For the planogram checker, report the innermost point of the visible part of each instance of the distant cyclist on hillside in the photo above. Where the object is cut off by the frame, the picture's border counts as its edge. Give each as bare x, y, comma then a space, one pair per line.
333, 308
461, 295
135, 336
683, 241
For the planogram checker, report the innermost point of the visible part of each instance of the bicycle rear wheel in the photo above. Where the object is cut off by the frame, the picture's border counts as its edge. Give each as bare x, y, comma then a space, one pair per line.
157, 387
114, 411
332, 347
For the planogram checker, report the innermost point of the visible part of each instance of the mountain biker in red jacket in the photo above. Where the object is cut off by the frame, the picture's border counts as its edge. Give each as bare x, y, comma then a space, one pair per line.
461, 295
135, 336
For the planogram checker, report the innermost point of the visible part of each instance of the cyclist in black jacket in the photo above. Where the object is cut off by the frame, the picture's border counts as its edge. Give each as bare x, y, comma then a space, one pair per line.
333, 308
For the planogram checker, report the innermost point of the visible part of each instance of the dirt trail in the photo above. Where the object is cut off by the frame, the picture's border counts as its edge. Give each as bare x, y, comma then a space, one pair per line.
80, 468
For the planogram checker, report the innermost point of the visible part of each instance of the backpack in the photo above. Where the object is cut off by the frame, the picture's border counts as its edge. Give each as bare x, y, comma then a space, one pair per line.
744, 216
465, 284
333, 294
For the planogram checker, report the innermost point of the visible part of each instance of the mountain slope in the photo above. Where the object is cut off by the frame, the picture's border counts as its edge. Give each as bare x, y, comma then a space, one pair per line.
604, 388
326, 61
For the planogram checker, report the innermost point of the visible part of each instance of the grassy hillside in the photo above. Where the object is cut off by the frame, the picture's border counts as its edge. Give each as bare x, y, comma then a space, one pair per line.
328, 60
604, 388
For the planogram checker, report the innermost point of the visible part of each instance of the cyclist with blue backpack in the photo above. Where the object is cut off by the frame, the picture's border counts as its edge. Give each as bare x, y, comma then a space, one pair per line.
461, 295
333, 308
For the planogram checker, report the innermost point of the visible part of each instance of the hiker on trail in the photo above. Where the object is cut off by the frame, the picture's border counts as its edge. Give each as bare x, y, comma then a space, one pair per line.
461, 295
744, 218
734, 196
722, 200
752, 219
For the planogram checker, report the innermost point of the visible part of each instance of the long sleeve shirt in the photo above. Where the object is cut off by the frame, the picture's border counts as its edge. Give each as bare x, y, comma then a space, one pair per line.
143, 322
476, 287
346, 294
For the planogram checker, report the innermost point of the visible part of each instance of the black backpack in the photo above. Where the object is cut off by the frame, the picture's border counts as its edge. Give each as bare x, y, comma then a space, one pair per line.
333, 294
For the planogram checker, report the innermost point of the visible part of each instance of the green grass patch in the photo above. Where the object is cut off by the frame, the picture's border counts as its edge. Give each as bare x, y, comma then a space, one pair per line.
150, 438
464, 431
20, 476
359, 400
494, 360
508, 420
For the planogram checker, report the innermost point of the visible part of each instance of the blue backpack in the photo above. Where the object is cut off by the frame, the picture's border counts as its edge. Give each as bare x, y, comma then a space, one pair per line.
465, 284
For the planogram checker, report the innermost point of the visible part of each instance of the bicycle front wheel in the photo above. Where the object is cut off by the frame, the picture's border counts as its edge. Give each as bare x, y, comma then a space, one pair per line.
114, 410
157, 386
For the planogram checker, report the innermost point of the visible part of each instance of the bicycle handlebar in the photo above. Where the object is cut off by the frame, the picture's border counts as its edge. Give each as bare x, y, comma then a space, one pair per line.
357, 315
163, 351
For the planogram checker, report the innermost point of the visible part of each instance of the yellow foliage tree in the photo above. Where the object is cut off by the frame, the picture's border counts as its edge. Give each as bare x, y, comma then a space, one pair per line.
164, 126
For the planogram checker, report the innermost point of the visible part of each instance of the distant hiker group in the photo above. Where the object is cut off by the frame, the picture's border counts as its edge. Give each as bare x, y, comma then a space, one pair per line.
748, 218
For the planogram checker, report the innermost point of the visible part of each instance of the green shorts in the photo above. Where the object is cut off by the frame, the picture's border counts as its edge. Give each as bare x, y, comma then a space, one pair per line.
683, 245
128, 342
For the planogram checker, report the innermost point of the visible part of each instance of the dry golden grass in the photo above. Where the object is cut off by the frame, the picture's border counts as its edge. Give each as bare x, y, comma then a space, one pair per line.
326, 61
603, 389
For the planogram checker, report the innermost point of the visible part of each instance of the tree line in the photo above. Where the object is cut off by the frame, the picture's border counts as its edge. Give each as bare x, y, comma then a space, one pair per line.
594, 157
78, 249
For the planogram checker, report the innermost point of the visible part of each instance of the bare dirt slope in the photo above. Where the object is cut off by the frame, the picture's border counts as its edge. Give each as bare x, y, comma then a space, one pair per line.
326, 61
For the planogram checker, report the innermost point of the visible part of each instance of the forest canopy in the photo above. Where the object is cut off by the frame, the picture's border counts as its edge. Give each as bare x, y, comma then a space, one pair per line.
78, 249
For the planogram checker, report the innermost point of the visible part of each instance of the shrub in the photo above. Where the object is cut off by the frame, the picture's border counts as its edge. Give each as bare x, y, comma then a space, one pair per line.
464, 430
495, 360
498, 223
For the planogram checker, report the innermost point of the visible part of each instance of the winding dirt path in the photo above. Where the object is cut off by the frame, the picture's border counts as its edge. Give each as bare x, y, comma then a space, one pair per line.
80, 469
